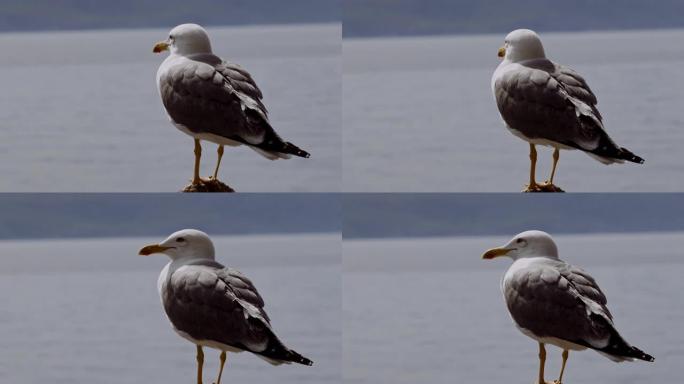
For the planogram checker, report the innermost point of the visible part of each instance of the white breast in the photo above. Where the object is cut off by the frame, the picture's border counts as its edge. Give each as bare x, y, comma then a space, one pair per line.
165, 65
163, 277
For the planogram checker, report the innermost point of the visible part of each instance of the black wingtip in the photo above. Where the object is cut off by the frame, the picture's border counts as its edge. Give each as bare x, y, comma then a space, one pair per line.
626, 154
641, 355
620, 348
295, 357
306, 361
279, 352
294, 150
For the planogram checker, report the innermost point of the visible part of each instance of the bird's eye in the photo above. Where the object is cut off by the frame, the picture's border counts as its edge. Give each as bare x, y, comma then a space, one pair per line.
519, 241
180, 240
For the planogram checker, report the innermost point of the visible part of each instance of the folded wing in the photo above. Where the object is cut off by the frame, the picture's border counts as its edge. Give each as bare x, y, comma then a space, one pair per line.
210, 302
544, 100
208, 95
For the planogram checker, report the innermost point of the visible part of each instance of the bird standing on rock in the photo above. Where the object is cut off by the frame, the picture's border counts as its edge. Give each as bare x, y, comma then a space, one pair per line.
545, 103
212, 99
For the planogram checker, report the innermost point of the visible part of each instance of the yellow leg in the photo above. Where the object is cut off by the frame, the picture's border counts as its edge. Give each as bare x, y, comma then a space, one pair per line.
198, 153
533, 164
218, 162
200, 363
223, 362
565, 359
542, 361
532, 186
548, 186
556, 156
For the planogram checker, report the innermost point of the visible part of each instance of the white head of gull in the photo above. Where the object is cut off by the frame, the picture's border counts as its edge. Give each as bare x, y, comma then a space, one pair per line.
186, 244
186, 39
526, 244
522, 44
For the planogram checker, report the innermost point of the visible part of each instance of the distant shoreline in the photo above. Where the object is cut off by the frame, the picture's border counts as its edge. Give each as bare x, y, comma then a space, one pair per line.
477, 235
115, 29
146, 235
502, 32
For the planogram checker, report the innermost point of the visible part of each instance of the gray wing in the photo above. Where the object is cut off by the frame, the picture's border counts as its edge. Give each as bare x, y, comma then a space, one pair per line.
544, 100
576, 87
587, 288
208, 95
560, 301
210, 302
244, 290
242, 82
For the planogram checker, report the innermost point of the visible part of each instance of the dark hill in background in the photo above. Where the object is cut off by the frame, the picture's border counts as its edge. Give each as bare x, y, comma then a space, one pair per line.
418, 215
24, 216
34, 15
428, 17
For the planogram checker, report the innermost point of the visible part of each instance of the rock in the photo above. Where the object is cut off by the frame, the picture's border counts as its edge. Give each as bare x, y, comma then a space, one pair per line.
210, 185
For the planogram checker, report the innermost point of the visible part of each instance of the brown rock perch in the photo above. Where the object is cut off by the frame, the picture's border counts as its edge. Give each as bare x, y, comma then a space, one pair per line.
211, 185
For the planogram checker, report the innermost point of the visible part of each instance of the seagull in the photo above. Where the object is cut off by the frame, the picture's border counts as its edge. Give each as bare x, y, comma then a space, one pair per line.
214, 306
545, 103
557, 303
213, 99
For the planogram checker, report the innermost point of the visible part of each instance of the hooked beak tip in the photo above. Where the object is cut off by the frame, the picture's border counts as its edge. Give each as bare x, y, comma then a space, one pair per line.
160, 47
151, 249
495, 252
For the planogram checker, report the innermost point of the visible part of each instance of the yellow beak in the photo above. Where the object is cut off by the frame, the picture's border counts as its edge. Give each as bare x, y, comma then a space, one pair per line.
150, 249
161, 47
502, 52
495, 252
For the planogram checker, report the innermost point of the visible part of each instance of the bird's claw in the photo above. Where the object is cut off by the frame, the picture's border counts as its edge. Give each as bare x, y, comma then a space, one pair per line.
550, 187
529, 188
546, 187
201, 181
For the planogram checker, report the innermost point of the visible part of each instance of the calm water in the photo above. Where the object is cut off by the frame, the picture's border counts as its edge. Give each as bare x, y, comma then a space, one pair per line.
419, 115
88, 311
430, 311
80, 111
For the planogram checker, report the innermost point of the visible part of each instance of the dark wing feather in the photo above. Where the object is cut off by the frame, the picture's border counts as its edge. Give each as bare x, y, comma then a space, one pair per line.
241, 81
576, 87
586, 286
243, 289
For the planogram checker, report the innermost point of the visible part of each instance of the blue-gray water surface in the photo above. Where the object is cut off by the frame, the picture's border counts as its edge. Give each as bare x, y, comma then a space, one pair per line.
80, 111
431, 311
419, 115
80, 311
